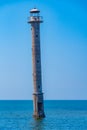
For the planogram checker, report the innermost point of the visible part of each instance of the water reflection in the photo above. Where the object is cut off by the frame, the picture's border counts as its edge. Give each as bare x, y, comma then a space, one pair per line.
38, 124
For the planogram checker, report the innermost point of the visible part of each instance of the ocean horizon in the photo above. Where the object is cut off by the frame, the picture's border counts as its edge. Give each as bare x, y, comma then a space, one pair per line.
60, 115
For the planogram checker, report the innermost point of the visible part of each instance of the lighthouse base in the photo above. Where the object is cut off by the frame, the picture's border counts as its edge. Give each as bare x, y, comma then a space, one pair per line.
38, 106
39, 115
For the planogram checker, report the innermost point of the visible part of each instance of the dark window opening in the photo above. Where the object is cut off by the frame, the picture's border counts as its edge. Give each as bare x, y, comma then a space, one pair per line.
37, 61
39, 86
36, 35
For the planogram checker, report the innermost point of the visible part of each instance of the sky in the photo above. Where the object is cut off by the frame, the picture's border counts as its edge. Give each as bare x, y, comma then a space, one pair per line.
63, 49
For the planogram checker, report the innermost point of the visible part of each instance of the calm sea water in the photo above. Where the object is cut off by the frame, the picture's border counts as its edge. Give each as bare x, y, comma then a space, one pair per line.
60, 115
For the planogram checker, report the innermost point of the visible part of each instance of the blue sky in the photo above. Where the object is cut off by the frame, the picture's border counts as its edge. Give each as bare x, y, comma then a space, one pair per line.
63, 47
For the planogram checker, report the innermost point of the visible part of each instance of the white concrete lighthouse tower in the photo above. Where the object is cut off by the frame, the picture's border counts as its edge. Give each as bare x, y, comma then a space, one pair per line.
35, 20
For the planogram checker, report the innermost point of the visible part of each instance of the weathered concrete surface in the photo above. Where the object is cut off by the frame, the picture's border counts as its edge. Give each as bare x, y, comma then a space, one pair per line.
35, 21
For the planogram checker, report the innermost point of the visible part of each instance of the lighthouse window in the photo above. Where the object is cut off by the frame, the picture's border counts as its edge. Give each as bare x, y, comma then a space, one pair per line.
36, 35
37, 61
38, 86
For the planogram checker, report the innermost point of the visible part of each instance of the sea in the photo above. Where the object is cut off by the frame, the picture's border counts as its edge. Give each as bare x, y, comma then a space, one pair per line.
60, 115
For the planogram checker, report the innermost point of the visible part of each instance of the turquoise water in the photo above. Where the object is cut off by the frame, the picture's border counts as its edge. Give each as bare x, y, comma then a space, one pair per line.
60, 115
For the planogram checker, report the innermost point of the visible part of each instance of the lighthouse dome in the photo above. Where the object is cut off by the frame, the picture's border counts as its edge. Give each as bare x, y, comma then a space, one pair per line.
34, 10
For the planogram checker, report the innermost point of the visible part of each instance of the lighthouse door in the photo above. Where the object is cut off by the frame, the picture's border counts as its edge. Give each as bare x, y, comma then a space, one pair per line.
39, 107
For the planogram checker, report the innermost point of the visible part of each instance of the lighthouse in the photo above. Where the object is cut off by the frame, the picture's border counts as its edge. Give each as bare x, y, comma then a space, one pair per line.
35, 19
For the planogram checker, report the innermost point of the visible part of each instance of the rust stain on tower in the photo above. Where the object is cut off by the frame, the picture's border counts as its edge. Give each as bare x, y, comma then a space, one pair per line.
35, 20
